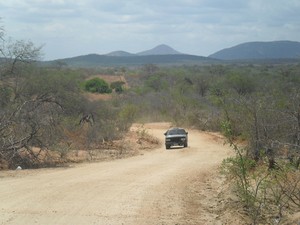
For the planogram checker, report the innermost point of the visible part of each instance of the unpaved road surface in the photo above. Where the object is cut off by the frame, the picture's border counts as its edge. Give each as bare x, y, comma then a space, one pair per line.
177, 186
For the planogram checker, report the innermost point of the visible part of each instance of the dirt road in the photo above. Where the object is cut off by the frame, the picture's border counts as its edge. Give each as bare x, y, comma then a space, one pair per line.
177, 186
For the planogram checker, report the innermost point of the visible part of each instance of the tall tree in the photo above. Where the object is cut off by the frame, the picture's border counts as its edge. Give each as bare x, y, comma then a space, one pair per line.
25, 119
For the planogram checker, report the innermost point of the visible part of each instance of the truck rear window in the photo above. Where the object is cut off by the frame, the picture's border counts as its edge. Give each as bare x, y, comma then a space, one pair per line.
177, 131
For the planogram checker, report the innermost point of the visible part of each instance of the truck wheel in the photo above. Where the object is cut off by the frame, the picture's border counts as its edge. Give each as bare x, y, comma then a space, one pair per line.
185, 144
168, 146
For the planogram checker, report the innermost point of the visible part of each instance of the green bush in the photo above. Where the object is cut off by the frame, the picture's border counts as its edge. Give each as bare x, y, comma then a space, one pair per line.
97, 85
126, 116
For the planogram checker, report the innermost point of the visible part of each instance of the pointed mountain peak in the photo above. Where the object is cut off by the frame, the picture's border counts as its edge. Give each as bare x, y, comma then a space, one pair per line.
160, 50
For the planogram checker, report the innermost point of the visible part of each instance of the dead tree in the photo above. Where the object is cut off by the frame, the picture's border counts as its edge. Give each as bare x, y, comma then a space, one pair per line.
87, 118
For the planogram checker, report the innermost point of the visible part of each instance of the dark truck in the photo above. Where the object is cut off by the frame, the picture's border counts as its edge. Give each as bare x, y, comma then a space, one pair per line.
176, 137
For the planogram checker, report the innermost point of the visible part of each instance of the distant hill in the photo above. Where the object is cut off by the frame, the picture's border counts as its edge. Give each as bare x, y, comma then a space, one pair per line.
94, 60
160, 50
120, 53
260, 50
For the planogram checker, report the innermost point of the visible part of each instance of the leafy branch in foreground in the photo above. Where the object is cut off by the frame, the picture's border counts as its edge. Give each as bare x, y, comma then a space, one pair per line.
267, 194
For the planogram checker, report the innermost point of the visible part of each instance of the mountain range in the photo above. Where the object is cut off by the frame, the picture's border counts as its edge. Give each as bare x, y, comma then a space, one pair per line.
94, 60
164, 54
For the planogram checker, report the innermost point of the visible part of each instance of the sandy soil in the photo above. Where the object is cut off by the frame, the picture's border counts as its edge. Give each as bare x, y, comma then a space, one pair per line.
177, 186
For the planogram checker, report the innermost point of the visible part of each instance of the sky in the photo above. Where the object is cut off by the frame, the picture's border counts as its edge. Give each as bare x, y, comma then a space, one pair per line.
68, 28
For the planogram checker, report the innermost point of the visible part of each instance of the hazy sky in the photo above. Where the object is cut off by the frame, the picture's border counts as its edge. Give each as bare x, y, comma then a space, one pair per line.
75, 27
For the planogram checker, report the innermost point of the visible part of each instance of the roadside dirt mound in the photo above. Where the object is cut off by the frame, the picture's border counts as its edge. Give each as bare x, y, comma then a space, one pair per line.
135, 142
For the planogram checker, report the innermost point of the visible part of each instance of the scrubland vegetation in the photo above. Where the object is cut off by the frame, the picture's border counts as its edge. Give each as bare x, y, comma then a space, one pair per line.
257, 108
